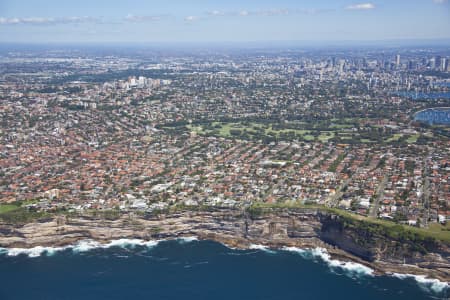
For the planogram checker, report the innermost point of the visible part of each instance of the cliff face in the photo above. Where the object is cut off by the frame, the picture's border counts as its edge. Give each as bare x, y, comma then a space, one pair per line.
376, 244
306, 228
333, 232
293, 228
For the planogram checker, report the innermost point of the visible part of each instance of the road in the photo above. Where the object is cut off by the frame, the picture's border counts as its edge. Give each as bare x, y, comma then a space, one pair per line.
373, 212
426, 195
333, 200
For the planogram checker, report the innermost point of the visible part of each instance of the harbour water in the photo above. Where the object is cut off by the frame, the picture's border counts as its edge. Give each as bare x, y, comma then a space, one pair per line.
192, 269
424, 96
434, 116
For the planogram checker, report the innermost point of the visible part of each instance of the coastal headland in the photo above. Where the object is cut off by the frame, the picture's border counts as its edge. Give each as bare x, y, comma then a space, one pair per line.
383, 249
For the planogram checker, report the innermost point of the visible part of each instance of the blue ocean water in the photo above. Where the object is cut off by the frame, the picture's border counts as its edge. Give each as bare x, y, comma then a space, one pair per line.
424, 96
434, 116
181, 269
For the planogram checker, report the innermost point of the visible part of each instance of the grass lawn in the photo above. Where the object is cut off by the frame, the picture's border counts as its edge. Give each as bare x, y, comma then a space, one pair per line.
366, 141
225, 129
394, 138
341, 126
4, 208
436, 231
254, 129
413, 138
440, 231
196, 129
346, 137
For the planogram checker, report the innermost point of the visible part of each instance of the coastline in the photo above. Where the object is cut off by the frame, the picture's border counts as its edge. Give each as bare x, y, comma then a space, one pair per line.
347, 265
273, 232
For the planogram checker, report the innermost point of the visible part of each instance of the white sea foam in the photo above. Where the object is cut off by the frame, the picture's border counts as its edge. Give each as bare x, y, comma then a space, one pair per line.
33, 252
87, 245
124, 243
52, 250
81, 246
350, 268
187, 239
300, 251
256, 246
427, 284
261, 247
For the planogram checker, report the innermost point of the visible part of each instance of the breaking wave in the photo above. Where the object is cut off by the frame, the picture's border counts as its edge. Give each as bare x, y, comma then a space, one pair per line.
87, 245
188, 239
351, 269
32, 252
262, 248
426, 284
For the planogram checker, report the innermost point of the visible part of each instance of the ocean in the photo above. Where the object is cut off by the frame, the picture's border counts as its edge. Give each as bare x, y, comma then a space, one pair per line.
423, 95
191, 269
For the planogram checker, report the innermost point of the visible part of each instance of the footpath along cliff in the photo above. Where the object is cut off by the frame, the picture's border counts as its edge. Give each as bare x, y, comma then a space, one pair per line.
383, 250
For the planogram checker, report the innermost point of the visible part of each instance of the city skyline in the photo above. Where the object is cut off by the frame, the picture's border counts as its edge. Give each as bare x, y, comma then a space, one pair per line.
232, 21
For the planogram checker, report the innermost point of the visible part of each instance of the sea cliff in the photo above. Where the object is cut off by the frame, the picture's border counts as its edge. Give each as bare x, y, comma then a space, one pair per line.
302, 228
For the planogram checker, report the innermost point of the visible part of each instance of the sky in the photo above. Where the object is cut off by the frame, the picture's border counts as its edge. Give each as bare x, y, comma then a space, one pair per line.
147, 21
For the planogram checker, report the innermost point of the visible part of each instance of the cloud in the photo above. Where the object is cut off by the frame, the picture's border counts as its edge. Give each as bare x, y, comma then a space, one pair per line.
244, 13
48, 21
268, 12
191, 18
139, 19
314, 11
361, 6
216, 13
273, 12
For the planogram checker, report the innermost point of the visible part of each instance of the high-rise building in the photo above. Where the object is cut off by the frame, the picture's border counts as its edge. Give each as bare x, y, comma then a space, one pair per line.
397, 60
141, 81
437, 62
333, 61
432, 63
444, 62
341, 65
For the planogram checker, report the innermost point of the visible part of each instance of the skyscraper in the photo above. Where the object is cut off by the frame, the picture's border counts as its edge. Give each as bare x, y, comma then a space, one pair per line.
141, 81
437, 62
397, 60
444, 62
432, 63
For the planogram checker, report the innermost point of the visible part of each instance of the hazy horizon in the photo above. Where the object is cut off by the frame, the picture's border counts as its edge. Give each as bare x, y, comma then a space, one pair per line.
295, 44
203, 21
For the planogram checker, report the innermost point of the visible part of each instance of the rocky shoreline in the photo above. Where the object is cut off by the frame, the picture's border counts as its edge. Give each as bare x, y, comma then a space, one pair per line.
301, 229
